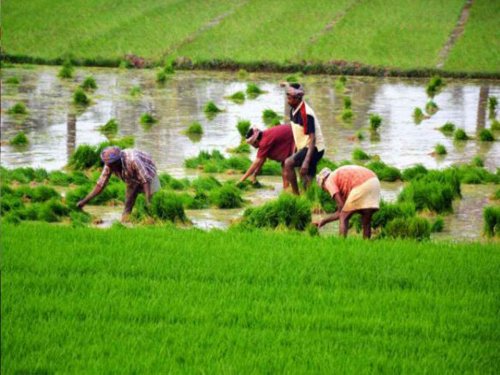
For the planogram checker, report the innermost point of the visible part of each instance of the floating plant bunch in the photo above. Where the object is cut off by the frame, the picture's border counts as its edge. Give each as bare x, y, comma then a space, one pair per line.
20, 139
238, 97
375, 122
110, 128
66, 71
89, 84
271, 118
18, 109
492, 106
448, 128
211, 109
254, 91
80, 98
434, 87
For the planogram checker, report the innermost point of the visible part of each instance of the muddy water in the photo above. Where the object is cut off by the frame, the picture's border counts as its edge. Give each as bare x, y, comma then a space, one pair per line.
54, 127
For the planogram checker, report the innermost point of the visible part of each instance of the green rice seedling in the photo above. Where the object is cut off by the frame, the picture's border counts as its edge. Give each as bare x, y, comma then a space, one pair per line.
439, 149
57, 207
447, 177
492, 106
85, 156
12, 80
271, 168
270, 117
431, 107
475, 174
199, 201
75, 195
347, 114
147, 119
434, 86
253, 90
360, 135
237, 163
169, 68
320, 200
211, 109
13, 218
45, 213
66, 70
340, 83
447, 128
287, 211
243, 127
242, 148
495, 125
166, 206
491, 215
80, 98
202, 158
414, 172
460, 135
59, 178
242, 74
205, 184
477, 161
496, 195
135, 91
238, 97
89, 84
195, 128
294, 78
437, 225
414, 227
359, 155
384, 172
110, 128
226, 196
79, 219
18, 109
161, 76
38, 194
418, 115
326, 163
428, 194
20, 139
375, 122
347, 102
486, 136
9, 202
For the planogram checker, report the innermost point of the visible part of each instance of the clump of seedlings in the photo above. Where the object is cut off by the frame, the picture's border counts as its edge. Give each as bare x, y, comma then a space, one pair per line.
495, 125
242, 74
66, 70
491, 215
147, 119
271, 118
18, 109
438, 225
431, 107
477, 161
359, 155
347, 114
321, 201
243, 127
80, 98
194, 129
12, 80
460, 135
226, 196
416, 171
448, 128
242, 148
434, 86
340, 83
440, 150
419, 115
253, 90
211, 109
347, 102
166, 206
238, 97
20, 139
163, 74
89, 84
359, 135
110, 128
414, 227
384, 172
375, 122
294, 78
492, 106
486, 135
287, 212
135, 91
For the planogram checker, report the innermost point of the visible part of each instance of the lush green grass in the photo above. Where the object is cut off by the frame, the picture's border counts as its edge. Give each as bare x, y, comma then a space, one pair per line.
159, 300
103, 29
264, 30
478, 49
397, 33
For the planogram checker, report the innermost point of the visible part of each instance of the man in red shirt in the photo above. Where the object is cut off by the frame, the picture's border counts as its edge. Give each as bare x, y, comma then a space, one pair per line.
356, 189
276, 143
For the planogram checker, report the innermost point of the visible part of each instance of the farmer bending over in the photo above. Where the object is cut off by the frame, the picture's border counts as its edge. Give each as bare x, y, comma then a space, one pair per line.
356, 190
275, 143
132, 166
308, 138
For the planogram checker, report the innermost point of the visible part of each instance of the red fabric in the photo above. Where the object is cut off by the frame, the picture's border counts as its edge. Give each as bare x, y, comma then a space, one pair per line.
304, 116
277, 143
346, 178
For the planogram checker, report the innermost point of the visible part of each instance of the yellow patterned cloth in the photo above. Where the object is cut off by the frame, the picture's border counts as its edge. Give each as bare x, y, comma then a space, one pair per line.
364, 196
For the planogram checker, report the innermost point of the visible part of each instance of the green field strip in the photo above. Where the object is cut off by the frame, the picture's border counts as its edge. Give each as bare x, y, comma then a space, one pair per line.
394, 33
156, 300
478, 49
264, 31
103, 29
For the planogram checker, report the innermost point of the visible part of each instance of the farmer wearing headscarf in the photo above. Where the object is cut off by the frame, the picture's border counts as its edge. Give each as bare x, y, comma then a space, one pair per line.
275, 143
308, 137
356, 189
135, 168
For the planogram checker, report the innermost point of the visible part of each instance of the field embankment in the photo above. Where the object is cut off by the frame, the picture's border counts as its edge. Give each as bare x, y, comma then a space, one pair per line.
158, 300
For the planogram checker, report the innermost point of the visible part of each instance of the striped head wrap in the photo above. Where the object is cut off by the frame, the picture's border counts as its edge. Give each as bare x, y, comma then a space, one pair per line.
322, 176
252, 135
295, 92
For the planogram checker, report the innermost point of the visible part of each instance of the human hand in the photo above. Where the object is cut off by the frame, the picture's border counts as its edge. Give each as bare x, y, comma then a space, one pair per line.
81, 203
319, 223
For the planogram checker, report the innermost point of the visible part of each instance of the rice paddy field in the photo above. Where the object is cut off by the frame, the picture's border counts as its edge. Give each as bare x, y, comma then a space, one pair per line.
402, 34
164, 300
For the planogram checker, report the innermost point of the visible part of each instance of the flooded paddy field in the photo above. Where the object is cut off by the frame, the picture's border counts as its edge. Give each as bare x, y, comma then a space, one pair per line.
55, 127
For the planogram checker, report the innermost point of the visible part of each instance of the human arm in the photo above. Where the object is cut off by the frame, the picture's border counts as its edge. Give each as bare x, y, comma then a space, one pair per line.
254, 169
100, 185
311, 131
336, 215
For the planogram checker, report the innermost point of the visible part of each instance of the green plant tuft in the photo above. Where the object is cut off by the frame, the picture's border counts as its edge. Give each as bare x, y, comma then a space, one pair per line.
12, 80
270, 117
347, 102
439, 149
110, 128
211, 108
418, 115
20, 139
18, 109
359, 155
431, 107
460, 135
147, 119
413, 227
80, 98
375, 122
491, 215
238, 97
486, 135
243, 127
195, 128
492, 106
89, 84
66, 70
434, 86
447, 128
253, 90
166, 206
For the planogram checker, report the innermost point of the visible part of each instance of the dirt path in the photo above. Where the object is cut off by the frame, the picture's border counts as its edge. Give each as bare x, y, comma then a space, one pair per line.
455, 34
